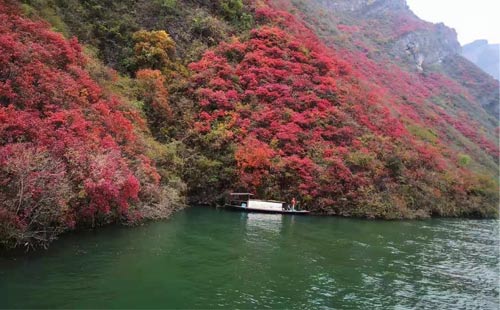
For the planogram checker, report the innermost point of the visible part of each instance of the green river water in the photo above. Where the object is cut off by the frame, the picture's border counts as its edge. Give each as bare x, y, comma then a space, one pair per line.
214, 258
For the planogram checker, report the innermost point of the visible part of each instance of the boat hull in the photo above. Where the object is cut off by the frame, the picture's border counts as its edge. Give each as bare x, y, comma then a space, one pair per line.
249, 209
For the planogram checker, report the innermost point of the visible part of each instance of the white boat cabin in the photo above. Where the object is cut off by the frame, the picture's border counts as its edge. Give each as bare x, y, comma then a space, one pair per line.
246, 202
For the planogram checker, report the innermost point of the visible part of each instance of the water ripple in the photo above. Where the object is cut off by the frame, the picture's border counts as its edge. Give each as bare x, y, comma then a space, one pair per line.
205, 258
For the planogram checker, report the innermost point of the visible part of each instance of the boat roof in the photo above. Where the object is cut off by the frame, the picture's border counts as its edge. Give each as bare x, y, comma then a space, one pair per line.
277, 201
240, 194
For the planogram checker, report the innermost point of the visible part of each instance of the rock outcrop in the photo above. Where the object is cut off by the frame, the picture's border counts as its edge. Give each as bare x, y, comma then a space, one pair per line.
428, 47
392, 30
364, 6
418, 43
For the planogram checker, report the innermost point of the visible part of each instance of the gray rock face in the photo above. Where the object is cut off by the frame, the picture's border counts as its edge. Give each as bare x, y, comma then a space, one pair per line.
420, 48
484, 55
428, 48
413, 43
356, 6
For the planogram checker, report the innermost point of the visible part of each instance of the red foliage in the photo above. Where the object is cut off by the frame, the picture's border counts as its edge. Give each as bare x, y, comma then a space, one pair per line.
348, 29
287, 103
154, 93
403, 24
49, 103
254, 161
305, 118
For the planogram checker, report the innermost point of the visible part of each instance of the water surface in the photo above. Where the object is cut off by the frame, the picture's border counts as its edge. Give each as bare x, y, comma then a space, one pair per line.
212, 258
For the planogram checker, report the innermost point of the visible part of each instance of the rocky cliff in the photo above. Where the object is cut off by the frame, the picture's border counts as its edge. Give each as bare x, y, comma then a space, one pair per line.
427, 47
364, 6
418, 43
387, 30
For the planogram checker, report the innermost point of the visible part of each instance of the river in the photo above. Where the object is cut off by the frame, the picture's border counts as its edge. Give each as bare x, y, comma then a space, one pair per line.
214, 258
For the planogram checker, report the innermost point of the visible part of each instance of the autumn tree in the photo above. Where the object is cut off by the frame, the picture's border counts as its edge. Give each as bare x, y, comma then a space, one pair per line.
35, 195
153, 49
154, 95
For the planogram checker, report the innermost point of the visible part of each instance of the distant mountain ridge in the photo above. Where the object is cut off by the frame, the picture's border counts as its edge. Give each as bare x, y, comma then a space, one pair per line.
486, 56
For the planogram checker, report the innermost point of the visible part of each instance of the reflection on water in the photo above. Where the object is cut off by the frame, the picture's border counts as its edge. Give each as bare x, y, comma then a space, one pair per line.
264, 221
208, 258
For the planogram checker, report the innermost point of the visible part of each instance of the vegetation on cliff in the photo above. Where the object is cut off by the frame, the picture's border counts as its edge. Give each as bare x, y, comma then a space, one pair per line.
302, 121
71, 154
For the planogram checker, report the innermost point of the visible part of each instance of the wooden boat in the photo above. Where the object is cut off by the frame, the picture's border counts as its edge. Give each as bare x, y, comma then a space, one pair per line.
245, 202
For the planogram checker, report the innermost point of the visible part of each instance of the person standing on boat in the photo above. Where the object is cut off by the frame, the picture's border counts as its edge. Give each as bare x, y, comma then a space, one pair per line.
294, 202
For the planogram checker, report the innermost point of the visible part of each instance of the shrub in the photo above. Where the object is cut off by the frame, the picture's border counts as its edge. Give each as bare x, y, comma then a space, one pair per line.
463, 160
153, 49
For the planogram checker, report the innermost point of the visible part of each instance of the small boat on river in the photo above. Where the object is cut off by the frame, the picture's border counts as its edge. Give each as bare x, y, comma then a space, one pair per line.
245, 202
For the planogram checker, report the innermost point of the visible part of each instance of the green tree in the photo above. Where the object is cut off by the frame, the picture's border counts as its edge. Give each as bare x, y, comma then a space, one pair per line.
231, 9
463, 160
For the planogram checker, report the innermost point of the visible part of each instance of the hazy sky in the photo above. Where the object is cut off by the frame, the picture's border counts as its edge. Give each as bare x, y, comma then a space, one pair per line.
472, 19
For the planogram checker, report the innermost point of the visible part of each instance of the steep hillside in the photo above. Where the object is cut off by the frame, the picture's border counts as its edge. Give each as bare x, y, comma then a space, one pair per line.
386, 31
71, 154
109, 25
348, 133
485, 56
389, 27
356, 108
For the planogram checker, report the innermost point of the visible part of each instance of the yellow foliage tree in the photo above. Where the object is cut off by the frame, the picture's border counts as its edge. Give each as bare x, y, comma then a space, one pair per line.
153, 49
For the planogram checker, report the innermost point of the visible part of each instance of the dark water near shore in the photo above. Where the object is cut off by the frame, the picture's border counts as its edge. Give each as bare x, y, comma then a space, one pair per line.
210, 258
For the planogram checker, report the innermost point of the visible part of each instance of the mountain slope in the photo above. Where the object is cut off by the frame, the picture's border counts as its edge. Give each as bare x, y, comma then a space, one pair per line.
350, 134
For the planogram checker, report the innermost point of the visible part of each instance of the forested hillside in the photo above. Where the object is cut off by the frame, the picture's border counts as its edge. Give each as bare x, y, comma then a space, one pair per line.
72, 153
119, 111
